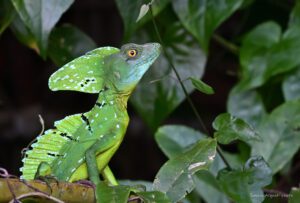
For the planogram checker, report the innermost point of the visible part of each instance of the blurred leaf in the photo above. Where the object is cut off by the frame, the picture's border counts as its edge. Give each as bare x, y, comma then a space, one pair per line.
113, 194
266, 52
247, 105
291, 86
40, 16
68, 42
294, 196
245, 185
175, 176
201, 18
153, 197
175, 139
166, 93
23, 34
7, 13
201, 86
280, 134
143, 11
295, 15
229, 128
147, 184
208, 188
130, 11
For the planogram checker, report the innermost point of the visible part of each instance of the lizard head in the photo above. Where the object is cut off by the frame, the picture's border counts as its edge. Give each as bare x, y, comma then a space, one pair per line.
127, 67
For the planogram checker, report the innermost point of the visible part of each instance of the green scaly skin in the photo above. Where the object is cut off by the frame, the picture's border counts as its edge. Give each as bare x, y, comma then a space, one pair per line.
82, 145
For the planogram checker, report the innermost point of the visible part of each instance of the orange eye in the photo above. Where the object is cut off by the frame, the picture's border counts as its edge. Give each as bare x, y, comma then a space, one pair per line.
132, 53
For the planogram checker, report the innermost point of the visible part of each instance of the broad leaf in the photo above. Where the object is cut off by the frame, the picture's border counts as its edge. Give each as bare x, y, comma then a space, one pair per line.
294, 196
175, 176
153, 197
175, 139
147, 185
68, 42
245, 185
280, 134
295, 15
267, 52
201, 86
166, 93
208, 188
7, 13
201, 18
247, 105
40, 16
229, 128
112, 194
23, 34
130, 11
291, 86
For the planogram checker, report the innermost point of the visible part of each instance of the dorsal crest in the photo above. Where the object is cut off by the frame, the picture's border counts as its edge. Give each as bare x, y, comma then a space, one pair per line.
83, 74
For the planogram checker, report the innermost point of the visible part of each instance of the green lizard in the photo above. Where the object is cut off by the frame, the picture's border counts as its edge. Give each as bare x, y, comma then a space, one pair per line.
81, 145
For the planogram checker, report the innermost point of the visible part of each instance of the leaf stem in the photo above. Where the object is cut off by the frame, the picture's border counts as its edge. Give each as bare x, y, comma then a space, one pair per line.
225, 43
183, 87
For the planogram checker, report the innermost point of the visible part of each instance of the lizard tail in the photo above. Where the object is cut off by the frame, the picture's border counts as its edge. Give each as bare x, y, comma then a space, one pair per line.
49, 145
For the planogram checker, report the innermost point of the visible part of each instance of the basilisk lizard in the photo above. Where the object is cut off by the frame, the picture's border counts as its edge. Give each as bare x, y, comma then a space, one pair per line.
81, 145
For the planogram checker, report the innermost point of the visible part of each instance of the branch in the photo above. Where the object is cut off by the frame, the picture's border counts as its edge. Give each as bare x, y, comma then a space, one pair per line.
56, 191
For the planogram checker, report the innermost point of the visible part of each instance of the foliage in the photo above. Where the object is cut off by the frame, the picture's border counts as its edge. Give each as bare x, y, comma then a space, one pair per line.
263, 107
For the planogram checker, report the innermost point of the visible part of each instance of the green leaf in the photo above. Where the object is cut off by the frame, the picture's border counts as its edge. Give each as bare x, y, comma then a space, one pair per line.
175, 139
40, 16
143, 11
166, 93
201, 18
245, 185
112, 194
68, 42
229, 128
201, 86
295, 15
23, 34
175, 176
247, 105
130, 12
153, 197
133, 183
291, 86
208, 188
267, 52
7, 13
294, 196
280, 134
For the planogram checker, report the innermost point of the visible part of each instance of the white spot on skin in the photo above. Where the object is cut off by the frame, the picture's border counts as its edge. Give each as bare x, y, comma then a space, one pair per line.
80, 160
71, 80
72, 67
118, 126
196, 165
115, 115
59, 162
87, 127
91, 72
101, 136
111, 102
211, 157
96, 115
92, 121
73, 169
105, 118
65, 155
75, 74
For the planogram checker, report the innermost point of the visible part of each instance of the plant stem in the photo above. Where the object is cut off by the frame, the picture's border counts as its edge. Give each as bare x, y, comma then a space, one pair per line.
225, 43
184, 89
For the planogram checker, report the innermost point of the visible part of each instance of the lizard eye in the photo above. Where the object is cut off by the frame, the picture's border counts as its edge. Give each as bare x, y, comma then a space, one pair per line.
132, 53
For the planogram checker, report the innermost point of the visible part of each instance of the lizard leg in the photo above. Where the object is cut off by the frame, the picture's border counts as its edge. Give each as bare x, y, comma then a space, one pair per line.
109, 176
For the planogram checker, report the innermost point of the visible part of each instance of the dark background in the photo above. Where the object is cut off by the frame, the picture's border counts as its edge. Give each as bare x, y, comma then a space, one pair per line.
24, 89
